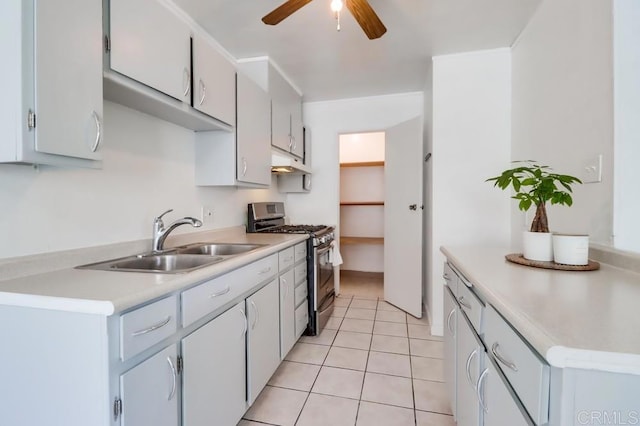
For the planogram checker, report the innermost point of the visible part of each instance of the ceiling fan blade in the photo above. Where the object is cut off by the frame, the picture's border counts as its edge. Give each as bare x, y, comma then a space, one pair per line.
283, 11
367, 18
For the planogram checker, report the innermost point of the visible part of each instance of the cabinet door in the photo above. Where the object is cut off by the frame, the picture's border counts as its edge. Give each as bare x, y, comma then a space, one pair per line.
297, 136
152, 45
450, 310
68, 77
280, 125
214, 375
500, 407
252, 134
214, 80
263, 338
287, 313
468, 357
149, 391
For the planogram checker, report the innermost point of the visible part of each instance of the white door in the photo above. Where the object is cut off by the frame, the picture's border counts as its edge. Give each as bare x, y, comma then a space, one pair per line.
287, 313
150, 391
403, 216
214, 375
263, 338
68, 73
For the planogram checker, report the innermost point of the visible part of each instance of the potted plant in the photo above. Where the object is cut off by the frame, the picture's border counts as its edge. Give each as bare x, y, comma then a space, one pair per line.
537, 185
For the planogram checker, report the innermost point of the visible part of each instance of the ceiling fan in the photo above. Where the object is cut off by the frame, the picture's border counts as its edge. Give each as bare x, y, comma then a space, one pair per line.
360, 9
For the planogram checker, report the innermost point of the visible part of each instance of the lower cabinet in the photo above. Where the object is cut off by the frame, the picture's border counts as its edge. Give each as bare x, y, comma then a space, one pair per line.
263, 338
497, 402
287, 313
150, 391
470, 355
450, 324
214, 376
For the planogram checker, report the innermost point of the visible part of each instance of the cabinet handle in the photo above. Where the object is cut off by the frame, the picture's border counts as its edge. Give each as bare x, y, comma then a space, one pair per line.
221, 292
471, 355
286, 288
453, 311
174, 377
290, 141
96, 143
463, 303
445, 276
152, 328
265, 270
494, 351
203, 90
187, 77
295, 143
480, 390
257, 316
244, 166
245, 325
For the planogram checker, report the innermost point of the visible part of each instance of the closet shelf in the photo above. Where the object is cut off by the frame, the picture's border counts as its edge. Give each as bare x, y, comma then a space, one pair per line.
364, 164
362, 203
361, 240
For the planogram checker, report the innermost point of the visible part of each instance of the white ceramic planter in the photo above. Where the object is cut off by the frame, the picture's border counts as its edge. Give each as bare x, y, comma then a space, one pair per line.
537, 246
571, 249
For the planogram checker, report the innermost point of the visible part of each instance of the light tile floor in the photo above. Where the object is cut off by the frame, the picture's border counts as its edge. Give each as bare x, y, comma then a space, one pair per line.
379, 367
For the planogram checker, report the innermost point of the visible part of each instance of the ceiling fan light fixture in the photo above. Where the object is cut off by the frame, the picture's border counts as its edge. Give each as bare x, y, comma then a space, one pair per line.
336, 6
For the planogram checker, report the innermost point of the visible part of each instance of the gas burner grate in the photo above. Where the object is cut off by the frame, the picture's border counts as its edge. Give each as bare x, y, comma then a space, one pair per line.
294, 229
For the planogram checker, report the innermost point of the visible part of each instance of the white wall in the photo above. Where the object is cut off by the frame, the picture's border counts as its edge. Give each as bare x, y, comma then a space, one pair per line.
627, 123
148, 168
362, 147
471, 139
563, 107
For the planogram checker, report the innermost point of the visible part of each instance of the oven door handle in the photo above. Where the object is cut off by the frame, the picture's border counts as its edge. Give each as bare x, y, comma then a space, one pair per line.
323, 250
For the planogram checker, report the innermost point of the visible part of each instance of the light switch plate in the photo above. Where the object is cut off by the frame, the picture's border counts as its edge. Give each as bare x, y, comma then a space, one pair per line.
592, 170
206, 214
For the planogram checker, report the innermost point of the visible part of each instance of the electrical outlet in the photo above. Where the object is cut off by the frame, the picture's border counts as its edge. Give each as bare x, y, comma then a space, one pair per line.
206, 214
592, 170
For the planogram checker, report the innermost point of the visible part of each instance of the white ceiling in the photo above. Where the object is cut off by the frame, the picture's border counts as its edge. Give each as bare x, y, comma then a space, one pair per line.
326, 64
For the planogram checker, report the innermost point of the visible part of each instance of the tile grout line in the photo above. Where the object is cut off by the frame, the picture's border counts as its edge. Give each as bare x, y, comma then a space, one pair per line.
364, 377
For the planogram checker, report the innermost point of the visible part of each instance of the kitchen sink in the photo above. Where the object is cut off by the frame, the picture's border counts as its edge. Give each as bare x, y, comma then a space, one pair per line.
214, 249
156, 263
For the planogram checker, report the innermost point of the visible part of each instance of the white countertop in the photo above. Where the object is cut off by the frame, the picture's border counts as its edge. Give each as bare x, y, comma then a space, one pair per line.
588, 320
109, 292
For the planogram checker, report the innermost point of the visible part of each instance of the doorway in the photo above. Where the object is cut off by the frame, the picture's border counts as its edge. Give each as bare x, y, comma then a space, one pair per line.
362, 214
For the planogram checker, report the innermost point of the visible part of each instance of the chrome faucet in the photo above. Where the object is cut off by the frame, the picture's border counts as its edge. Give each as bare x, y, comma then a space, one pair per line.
160, 233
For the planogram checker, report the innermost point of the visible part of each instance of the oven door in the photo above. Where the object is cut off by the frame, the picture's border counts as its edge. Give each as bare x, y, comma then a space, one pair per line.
323, 282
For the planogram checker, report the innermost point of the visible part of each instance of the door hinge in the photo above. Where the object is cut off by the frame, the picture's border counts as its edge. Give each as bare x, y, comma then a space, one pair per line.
107, 43
180, 364
117, 408
31, 120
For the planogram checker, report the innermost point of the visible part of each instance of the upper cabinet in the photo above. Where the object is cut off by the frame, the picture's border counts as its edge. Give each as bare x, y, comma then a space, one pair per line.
51, 80
150, 44
156, 62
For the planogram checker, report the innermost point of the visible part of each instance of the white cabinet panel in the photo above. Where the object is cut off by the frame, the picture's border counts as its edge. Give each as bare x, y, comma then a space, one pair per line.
450, 319
150, 391
468, 364
280, 125
68, 72
287, 313
214, 376
214, 82
500, 407
297, 135
146, 326
155, 51
263, 339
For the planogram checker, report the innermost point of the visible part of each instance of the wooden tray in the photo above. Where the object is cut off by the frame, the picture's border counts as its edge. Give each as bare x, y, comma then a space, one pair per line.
520, 260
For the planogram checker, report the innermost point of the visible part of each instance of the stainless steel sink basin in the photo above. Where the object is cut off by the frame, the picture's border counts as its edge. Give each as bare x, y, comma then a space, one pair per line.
214, 249
156, 263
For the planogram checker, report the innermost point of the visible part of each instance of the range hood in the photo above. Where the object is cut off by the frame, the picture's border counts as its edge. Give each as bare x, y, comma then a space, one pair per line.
282, 163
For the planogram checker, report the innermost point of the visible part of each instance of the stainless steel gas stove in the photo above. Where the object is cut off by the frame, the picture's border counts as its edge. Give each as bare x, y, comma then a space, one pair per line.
269, 217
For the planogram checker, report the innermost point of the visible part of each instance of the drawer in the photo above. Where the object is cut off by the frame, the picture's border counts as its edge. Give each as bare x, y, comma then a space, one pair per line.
472, 307
300, 251
301, 293
209, 296
300, 272
450, 279
302, 318
527, 373
286, 258
146, 326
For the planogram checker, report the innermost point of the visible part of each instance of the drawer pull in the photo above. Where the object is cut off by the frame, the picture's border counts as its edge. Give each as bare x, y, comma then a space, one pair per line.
453, 311
152, 328
174, 378
265, 270
480, 390
494, 351
463, 303
446, 277
220, 293
469, 379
